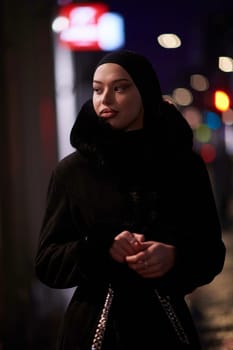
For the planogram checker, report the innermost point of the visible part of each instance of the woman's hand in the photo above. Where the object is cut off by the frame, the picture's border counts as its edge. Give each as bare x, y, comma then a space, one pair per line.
126, 244
153, 260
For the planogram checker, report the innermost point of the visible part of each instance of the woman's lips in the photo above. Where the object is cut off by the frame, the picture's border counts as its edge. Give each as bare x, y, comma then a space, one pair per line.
108, 113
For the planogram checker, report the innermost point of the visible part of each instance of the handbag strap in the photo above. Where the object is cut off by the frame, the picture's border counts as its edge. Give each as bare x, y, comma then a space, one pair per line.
166, 305
101, 327
172, 316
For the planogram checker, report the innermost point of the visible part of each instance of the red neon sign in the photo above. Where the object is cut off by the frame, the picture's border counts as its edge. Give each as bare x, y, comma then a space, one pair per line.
82, 30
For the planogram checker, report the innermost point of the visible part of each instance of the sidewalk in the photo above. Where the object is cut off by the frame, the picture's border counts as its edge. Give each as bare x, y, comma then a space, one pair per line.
212, 305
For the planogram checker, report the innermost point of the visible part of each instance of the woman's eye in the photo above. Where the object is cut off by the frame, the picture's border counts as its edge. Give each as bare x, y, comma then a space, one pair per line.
95, 89
119, 88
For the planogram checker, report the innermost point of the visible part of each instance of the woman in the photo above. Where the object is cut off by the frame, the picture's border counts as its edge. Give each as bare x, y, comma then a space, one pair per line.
131, 218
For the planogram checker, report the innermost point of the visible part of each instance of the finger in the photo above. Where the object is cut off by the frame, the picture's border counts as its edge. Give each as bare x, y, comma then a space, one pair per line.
130, 241
142, 266
131, 245
120, 249
135, 258
123, 241
138, 262
139, 237
137, 266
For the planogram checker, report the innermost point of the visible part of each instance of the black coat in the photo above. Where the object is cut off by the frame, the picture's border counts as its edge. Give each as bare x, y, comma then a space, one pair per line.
155, 185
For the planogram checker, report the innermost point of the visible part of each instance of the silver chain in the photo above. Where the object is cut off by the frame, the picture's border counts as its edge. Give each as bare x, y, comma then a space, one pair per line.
101, 327
166, 305
171, 314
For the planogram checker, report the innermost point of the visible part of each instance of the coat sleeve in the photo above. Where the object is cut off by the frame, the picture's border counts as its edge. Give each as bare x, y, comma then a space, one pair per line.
200, 250
66, 255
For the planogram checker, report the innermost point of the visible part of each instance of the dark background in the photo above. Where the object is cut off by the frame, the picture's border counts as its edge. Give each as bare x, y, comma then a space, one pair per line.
29, 312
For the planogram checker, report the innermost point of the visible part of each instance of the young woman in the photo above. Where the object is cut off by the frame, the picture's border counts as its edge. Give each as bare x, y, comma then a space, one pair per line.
131, 219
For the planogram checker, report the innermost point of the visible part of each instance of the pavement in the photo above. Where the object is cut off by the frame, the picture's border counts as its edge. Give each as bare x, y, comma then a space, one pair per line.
212, 305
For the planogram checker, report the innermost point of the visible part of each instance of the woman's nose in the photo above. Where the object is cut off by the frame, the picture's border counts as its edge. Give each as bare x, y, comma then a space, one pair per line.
107, 96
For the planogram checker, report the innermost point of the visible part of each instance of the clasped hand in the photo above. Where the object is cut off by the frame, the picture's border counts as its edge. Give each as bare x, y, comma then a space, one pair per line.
150, 259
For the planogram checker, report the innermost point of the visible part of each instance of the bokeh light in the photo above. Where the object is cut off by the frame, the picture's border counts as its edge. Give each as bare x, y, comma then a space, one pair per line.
225, 64
203, 133
182, 96
193, 116
208, 152
199, 82
221, 100
212, 120
169, 41
227, 117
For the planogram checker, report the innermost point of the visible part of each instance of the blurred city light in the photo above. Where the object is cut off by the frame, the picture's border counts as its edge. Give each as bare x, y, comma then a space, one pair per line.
89, 26
208, 152
221, 100
228, 139
225, 64
169, 99
111, 31
199, 82
182, 96
227, 117
60, 23
203, 133
169, 41
64, 97
212, 120
193, 116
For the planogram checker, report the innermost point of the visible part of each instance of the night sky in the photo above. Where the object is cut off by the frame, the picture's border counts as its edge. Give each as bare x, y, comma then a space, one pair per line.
196, 22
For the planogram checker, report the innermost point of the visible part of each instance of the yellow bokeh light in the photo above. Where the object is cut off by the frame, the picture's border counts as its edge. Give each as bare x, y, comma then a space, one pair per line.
221, 100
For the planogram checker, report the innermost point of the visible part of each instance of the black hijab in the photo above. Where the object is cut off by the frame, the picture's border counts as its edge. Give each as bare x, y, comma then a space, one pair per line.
164, 125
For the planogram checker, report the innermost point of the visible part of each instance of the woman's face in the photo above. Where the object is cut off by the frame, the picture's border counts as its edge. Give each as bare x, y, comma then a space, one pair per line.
116, 98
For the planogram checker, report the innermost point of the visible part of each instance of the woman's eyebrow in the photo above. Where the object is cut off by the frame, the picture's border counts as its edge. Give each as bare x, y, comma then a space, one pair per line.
114, 81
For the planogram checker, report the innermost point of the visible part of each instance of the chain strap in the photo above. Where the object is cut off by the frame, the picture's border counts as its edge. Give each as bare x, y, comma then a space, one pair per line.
101, 327
166, 305
171, 314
